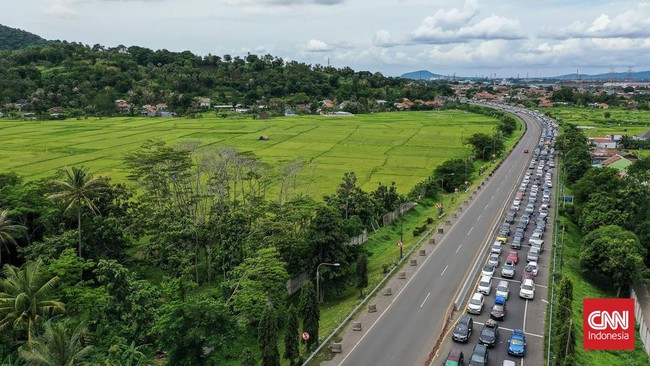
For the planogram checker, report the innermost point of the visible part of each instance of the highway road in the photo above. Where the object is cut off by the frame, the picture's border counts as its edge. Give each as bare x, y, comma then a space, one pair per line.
405, 333
528, 315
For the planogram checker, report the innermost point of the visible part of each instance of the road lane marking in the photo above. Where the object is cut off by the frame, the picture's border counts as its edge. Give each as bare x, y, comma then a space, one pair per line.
443, 271
525, 312
425, 299
479, 216
458, 248
470, 230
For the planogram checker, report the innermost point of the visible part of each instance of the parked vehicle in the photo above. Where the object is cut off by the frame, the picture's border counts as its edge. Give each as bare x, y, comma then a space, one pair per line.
503, 289
485, 285
479, 356
527, 289
463, 330
489, 333
455, 358
508, 269
517, 343
475, 304
533, 255
498, 309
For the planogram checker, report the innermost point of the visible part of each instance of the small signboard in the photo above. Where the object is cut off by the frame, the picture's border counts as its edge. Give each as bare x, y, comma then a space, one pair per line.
305, 336
567, 198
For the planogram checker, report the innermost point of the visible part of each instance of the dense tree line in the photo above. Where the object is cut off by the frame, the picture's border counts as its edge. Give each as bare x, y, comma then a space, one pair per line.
197, 248
613, 213
86, 80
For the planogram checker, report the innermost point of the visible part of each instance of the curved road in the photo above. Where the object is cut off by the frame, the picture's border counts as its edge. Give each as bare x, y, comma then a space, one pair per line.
404, 334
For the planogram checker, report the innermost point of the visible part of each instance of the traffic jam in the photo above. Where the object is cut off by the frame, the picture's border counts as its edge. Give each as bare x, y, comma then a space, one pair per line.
503, 323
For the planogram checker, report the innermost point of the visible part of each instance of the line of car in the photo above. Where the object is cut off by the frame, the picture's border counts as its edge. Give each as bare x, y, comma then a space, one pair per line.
543, 157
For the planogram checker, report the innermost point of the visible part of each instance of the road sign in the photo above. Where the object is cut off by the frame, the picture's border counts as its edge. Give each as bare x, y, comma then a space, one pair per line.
400, 244
305, 336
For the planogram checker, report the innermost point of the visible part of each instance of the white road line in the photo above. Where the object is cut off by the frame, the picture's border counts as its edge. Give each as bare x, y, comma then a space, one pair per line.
479, 217
470, 230
443, 271
525, 311
425, 299
458, 248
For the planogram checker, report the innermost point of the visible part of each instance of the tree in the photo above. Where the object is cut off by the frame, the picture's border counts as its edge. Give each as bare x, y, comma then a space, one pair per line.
62, 344
612, 254
291, 340
259, 280
248, 358
205, 325
362, 271
7, 231
605, 180
310, 313
328, 241
79, 188
268, 337
26, 297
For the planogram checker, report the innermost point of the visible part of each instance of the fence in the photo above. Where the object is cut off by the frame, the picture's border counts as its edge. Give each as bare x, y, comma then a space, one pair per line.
641, 298
389, 217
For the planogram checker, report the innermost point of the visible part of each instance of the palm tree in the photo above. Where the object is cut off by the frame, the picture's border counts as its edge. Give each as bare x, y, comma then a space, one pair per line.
26, 296
60, 345
7, 228
79, 188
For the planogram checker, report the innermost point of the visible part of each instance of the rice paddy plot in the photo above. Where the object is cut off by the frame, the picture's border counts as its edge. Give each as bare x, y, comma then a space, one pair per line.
399, 147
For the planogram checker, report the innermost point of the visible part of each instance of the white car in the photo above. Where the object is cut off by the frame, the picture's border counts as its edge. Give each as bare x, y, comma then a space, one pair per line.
475, 304
503, 289
488, 270
533, 267
485, 285
496, 247
527, 289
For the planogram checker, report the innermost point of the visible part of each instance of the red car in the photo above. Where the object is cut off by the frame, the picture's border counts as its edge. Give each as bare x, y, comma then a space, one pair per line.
527, 275
513, 255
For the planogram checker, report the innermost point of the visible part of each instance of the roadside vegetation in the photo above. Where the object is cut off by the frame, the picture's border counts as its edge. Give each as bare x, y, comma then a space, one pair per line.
603, 246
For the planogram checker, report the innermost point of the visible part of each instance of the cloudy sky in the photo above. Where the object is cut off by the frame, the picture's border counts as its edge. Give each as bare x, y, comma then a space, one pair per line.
462, 37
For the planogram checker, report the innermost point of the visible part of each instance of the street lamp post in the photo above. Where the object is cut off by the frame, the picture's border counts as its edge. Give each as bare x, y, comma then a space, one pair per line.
318, 277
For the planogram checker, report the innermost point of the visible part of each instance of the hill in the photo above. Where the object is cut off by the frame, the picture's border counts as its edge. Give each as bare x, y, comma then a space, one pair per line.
617, 76
16, 39
421, 75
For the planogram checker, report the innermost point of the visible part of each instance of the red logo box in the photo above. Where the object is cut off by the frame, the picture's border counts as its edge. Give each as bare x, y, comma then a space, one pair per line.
608, 324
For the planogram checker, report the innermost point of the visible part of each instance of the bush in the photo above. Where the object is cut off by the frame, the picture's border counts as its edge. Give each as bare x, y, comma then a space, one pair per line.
429, 220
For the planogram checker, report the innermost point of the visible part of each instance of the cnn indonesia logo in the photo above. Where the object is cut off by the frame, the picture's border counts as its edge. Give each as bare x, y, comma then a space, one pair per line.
608, 324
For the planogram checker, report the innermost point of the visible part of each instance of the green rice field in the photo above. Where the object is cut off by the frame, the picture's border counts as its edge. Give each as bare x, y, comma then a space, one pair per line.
621, 121
401, 147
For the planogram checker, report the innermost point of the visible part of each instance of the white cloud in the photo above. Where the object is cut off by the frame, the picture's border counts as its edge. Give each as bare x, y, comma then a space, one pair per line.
61, 8
633, 23
383, 38
315, 45
493, 27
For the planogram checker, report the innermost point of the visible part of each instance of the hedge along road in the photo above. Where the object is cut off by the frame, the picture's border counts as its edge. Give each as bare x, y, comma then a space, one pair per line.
381, 147
408, 329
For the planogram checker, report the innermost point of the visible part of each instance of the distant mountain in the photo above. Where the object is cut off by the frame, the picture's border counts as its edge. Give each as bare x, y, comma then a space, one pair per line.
421, 75
619, 76
16, 39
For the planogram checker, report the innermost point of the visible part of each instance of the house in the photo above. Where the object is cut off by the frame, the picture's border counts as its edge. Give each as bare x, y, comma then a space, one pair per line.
55, 110
148, 111
204, 102
600, 154
123, 106
642, 136
161, 107
326, 103
289, 113
604, 142
224, 107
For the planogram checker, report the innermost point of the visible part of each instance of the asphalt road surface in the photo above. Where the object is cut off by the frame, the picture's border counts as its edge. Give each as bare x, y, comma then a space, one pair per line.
407, 330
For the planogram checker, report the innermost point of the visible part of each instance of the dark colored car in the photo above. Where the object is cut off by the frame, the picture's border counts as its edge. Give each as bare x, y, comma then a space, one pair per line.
489, 333
479, 356
499, 309
455, 358
463, 330
525, 151
517, 343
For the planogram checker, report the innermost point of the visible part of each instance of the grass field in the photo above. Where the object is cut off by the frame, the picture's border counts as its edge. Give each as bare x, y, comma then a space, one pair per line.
385, 147
621, 121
